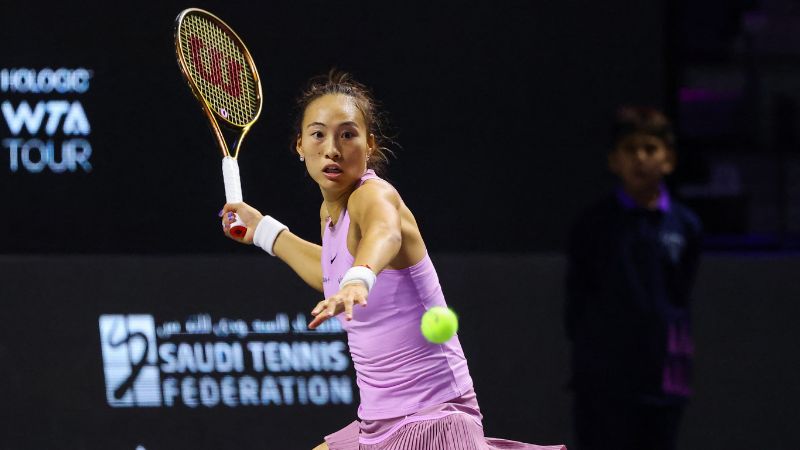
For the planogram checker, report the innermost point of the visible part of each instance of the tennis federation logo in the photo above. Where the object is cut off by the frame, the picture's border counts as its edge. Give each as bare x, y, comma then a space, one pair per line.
202, 362
130, 360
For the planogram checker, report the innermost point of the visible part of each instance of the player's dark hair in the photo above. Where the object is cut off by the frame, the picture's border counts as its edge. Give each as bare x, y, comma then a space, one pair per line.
642, 120
339, 82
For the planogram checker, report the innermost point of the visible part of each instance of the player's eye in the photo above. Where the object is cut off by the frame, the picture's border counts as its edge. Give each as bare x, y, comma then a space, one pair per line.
348, 135
317, 134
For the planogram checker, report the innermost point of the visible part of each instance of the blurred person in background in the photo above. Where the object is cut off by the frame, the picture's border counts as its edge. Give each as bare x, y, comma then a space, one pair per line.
632, 261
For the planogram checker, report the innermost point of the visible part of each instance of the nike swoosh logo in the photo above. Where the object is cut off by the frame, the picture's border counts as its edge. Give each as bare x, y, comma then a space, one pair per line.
334, 257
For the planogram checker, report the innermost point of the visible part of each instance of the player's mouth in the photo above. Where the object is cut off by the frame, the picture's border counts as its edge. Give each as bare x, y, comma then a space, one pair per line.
332, 171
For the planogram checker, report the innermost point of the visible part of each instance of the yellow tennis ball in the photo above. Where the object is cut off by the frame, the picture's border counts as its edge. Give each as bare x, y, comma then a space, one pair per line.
439, 324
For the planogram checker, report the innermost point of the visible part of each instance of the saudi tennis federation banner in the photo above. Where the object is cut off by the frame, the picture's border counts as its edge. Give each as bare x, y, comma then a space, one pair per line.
202, 361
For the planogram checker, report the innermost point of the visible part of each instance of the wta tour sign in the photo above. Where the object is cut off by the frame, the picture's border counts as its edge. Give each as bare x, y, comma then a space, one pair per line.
48, 128
202, 362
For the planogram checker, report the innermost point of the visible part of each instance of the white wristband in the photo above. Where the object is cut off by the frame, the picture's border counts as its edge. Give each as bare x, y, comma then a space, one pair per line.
266, 233
359, 273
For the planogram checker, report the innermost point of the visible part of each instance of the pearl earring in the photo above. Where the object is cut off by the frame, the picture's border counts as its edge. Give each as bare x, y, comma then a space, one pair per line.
302, 159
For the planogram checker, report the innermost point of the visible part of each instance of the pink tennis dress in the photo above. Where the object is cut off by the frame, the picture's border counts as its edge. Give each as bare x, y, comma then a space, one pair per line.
415, 395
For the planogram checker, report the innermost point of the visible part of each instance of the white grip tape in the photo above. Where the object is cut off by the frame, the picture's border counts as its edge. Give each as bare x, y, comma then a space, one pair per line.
359, 273
233, 186
267, 232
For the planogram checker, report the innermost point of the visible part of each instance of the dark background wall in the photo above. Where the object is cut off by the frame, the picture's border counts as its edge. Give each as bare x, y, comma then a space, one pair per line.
501, 110
510, 328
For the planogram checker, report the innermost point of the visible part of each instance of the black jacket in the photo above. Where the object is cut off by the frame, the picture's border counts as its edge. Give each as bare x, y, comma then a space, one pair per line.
629, 277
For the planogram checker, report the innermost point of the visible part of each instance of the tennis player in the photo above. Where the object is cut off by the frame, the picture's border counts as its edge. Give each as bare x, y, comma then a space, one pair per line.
378, 280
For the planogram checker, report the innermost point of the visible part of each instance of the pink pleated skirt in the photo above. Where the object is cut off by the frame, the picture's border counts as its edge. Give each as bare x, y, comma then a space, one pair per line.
451, 432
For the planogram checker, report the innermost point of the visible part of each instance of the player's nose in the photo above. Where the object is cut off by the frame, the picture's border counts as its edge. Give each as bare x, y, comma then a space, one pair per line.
331, 150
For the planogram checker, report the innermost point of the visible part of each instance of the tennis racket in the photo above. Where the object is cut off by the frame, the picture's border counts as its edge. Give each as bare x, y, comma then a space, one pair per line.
223, 77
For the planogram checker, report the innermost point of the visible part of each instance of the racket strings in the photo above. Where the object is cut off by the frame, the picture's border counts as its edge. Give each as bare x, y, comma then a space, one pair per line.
219, 69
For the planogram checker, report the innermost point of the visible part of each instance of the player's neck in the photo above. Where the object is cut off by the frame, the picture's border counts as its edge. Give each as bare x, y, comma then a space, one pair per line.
335, 206
336, 200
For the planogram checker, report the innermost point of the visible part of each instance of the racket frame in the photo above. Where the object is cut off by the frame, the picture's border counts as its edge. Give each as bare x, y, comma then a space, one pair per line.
230, 166
214, 117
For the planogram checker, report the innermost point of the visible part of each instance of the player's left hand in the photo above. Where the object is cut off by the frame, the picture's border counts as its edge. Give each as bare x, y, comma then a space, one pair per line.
343, 301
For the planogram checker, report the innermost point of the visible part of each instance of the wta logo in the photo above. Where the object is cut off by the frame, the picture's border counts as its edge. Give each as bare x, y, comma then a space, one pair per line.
47, 133
214, 74
130, 360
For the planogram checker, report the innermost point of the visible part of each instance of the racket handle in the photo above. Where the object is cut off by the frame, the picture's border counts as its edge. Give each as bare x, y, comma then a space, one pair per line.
233, 185
233, 193
238, 229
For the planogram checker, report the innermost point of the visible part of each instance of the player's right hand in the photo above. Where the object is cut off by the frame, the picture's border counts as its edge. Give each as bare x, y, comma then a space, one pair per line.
247, 214
342, 302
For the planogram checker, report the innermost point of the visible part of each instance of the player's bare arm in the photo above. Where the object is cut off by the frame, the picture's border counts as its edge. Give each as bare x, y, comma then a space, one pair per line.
375, 211
301, 255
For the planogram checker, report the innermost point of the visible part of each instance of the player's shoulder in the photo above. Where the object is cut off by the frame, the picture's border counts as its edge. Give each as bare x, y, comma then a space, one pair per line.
373, 190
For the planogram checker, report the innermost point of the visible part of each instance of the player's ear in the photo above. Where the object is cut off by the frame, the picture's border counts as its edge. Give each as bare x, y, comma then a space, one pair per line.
298, 146
371, 143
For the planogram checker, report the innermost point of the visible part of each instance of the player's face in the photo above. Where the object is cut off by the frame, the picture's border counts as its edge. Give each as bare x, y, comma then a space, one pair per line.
335, 142
641, 161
